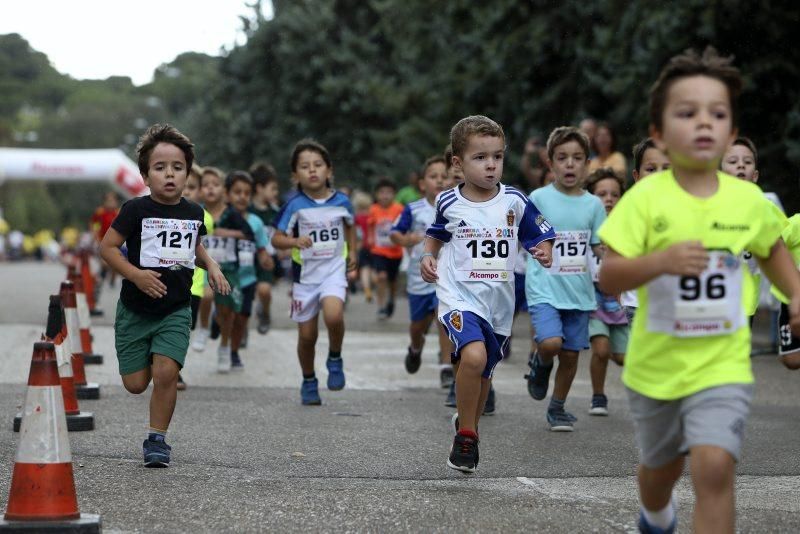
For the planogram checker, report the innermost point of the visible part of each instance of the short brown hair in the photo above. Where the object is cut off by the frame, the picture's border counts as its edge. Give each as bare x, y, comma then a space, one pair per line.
473, 125
565, 134
690, 63
313, 146
448, 156
162, 133
747, 142
604, 173
430, 161
263, 173
384, 181
638, 152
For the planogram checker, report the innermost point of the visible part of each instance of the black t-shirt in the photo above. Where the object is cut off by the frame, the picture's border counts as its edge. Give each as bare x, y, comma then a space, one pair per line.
161, 238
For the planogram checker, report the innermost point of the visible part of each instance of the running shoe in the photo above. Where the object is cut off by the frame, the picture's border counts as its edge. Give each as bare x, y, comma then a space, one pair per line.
236, 362
309, 393
463, 454
223, 359
599, 405
454, 422
647, 528
446, 377
264, 323
383, 314
389, 308
559, 422
489, 407
450, 401
413, 360
539, 377
181, 383
335, 374
156, 451
199, 342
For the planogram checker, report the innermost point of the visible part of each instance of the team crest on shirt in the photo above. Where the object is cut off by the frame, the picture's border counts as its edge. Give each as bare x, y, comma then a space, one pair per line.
510, 216
660, 224
455, 320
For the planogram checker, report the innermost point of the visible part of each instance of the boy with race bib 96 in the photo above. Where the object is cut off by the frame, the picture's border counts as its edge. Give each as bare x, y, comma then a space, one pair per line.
162, 231
678, 236
478, 228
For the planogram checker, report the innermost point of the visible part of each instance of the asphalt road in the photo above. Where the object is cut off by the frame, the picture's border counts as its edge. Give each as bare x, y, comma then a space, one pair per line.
248, 457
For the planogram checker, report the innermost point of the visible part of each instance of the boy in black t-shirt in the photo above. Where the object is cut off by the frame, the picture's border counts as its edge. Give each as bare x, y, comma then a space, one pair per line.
162, 232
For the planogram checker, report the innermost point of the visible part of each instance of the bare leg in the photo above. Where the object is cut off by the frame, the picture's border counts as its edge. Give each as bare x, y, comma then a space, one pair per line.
655, 484
165, 391
333, 315
445, 345
264, 290
469, 384
306, 344
565, 374
713, 473
601, 352
417, 331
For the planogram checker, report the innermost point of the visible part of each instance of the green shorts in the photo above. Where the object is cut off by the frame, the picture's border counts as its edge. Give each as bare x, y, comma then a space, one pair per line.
616, 333
233, 300
265, 276
138, 336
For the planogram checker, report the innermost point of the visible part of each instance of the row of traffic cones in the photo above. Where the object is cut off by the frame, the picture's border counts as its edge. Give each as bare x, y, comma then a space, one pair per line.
42, 496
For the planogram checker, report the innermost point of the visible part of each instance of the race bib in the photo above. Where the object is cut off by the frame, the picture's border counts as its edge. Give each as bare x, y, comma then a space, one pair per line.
325, 240
485, 254
168, 242
247, 252
221, 249
570, 252
594, 265
698, 306
383, 233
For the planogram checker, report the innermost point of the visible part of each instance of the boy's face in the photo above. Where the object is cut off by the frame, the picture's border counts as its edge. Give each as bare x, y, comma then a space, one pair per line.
239, 196
482, 161
385, 196
192, 189
653, 161
166, 173
267, 193
432, 182
697, 123
211, 190
569, 164
741, 163
312, 172
608, 191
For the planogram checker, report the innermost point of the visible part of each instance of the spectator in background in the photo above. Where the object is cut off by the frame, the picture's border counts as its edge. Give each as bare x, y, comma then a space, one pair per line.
409, 193
361, 203
589, 127
99, 224
533, 164
604, 145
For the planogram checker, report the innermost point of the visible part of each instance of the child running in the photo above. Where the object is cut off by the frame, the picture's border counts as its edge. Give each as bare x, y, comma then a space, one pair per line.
789, 342
477, 228
385, 255
409, 231
678, 237
265, 206
317, 225
561, 297
162, 231
608, 324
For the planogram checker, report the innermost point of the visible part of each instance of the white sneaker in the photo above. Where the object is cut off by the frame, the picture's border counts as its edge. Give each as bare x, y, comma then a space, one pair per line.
223, 359
199, 342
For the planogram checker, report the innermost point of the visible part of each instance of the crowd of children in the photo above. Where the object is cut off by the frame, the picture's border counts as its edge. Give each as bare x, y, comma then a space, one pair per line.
659, 279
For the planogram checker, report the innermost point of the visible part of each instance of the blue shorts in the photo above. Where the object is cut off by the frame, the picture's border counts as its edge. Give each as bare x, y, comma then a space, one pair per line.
420, 306
572, 326
465, 327
520, 300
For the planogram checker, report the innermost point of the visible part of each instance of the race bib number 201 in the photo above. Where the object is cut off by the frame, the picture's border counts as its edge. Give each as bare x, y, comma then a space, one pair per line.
168, 242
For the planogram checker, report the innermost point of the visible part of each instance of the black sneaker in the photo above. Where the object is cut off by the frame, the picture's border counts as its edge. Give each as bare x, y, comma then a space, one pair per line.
389, 308
214, 326
413, 360
539, 377
446, 377
489, 407
382, 314
463, 454
599, 405
236, 362
450, 401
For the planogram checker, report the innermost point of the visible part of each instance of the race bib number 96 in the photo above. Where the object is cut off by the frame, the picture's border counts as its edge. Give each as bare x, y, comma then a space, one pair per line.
168, 242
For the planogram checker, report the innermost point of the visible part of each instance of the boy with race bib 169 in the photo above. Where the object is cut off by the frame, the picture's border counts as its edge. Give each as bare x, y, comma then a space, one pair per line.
478, 228
678, 236
162, 231
561, 297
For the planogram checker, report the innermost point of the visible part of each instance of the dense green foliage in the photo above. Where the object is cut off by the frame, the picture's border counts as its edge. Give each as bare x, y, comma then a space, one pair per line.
380, 82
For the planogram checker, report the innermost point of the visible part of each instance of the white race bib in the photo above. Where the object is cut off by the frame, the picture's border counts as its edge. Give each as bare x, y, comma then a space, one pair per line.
325, 240
168, 242
570, 252
698, 306
383, 233
485, 254
594, 265
247, 251
221, 249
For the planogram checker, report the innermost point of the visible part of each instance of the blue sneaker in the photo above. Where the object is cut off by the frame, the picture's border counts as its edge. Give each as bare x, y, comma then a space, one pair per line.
309, 393
559, 421
647, 528
335, 374
156, 451
538, 378
450, 401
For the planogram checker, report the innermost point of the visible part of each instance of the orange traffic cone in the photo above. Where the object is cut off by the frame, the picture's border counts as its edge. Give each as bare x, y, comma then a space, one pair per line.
84, 318
77, 420
88, 282
42, 495
83, 389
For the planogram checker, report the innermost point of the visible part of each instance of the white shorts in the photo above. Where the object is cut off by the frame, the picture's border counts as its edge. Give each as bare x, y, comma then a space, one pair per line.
306, 298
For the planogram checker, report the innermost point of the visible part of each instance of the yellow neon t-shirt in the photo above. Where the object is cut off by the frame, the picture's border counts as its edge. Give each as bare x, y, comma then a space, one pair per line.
791, 236
199, 276
656, 214
752, 274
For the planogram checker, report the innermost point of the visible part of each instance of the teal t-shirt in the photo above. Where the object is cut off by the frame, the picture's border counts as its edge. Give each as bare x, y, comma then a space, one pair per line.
567, 285
248, 250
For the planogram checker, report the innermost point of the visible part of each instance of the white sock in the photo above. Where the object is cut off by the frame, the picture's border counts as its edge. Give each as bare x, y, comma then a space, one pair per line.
660, 518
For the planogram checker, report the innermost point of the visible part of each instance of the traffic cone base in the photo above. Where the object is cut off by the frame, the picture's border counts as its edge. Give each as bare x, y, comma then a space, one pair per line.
79, 422
85, 524
92, 359
90, 391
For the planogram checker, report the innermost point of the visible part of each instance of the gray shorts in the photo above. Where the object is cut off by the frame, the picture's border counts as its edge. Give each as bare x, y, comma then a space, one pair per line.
668, 429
